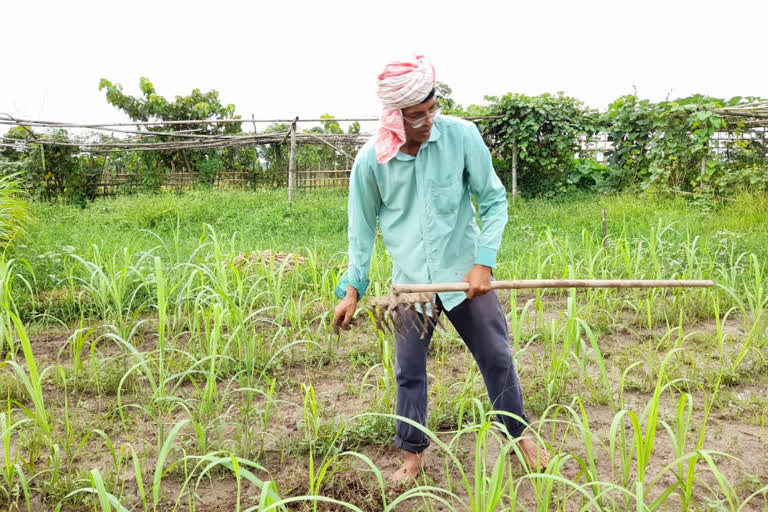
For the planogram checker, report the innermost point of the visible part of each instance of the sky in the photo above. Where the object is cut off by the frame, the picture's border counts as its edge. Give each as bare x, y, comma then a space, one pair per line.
308, 58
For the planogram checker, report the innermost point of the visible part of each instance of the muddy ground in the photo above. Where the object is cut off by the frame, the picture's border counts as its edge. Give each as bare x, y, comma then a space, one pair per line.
736, 425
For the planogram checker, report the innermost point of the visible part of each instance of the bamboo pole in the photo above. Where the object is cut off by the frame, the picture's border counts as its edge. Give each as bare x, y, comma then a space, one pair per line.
555, 283
514, 168
292, 160
312, 135
65, 124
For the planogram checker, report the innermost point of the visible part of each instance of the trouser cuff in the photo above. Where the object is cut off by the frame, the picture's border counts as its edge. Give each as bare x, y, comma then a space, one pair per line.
411, 447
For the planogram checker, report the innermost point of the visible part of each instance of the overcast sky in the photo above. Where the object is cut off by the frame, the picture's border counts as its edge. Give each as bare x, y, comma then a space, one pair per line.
307, 58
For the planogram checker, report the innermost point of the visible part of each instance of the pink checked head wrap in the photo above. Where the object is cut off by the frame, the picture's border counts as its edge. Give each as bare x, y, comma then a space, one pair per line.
400, 85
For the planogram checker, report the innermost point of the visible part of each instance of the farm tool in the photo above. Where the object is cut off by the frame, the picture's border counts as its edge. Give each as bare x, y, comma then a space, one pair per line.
388, 310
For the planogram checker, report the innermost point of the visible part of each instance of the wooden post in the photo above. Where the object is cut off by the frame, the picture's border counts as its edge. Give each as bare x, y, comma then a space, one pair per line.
514, 168
292, 160
104, 172
255, 159
42, 159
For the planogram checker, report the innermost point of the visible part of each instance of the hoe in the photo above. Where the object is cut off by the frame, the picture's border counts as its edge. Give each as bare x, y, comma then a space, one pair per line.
388, 310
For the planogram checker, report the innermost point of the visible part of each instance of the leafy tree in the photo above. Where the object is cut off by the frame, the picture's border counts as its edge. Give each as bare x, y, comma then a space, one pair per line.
153, 107
444, 99
198, 105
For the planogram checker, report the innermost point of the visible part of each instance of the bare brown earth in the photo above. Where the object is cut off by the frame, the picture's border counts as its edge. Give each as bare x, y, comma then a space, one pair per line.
737, 425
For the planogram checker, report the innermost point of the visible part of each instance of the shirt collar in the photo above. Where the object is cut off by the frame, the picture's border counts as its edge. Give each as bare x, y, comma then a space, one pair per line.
434, 134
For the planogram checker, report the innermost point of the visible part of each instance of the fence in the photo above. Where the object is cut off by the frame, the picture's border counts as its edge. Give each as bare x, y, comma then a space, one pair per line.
322, 178
725, 145
122, 182
292, 169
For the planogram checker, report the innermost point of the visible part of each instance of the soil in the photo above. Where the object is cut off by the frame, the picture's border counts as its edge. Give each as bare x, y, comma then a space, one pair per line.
736, 425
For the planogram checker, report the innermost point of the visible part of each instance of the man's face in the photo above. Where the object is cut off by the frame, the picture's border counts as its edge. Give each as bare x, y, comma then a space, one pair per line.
417, 113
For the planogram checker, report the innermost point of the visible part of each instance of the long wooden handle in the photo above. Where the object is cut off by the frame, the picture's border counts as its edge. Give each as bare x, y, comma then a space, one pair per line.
556, 283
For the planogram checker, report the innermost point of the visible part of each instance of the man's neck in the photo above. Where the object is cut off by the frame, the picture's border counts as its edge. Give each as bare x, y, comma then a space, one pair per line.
411, 148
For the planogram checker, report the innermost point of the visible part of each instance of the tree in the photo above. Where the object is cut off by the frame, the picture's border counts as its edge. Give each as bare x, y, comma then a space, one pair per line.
153, 107
198, 105
444, 100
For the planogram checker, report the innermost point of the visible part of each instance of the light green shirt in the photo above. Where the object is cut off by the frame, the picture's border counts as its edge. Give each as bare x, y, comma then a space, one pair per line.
423, 205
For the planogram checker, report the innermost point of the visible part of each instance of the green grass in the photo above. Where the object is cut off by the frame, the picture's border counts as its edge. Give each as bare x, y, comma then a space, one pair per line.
317, 220
201, 372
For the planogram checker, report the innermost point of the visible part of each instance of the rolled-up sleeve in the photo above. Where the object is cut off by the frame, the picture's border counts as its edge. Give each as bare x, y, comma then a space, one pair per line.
490, 194
363, 209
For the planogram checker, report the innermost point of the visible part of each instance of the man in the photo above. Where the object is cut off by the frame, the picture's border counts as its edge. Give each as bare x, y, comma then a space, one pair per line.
416, 176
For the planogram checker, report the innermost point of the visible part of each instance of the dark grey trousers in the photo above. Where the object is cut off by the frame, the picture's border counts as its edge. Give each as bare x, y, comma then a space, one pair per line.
482, 325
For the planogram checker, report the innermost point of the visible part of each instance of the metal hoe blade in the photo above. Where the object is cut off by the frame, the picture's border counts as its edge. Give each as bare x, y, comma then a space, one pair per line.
389, 312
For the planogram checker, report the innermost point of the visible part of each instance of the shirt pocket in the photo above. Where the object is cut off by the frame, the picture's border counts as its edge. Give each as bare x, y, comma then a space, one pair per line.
446, 196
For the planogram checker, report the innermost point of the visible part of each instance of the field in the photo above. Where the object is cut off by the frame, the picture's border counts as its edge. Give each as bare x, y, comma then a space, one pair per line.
174, 353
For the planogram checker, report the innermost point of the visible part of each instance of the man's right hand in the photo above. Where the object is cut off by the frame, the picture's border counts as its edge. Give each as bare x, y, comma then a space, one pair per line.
343, 315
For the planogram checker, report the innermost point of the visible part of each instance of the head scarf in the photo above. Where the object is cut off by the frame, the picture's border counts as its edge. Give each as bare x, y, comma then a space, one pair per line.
401, 85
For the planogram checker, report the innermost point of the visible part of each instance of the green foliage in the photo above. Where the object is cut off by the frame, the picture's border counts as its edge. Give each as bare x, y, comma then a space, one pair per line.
53, 169
20, 133
657, 146
726, 178
739, 165
14, 211
590, 175
209, 384
208, 165
153, 107
444, 100
629, 122
146, 167
198, 105
545, 130
654, 147
677, 137
663, 145
318, 156
83, 185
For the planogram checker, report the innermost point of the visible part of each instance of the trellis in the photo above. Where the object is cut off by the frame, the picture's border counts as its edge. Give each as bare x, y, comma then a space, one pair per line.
186, 139
751, 120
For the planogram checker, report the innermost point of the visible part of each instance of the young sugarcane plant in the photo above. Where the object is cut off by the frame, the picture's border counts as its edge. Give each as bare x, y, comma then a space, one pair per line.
12, 473
32, 379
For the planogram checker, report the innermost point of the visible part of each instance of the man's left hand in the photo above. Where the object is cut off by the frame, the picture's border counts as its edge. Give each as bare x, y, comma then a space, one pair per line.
479, 279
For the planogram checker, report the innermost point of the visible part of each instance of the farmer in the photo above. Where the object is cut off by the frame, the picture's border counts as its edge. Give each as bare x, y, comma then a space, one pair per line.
416, 176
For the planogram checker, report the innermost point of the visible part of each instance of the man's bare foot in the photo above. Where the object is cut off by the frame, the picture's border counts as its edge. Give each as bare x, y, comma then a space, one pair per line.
537, 459
413, 463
